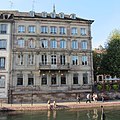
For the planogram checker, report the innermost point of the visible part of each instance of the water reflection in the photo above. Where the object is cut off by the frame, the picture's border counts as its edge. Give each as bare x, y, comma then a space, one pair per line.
51, 114
103, 116
72, 114
95, 114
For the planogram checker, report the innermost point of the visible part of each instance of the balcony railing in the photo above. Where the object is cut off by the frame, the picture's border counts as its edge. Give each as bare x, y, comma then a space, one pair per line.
49, 66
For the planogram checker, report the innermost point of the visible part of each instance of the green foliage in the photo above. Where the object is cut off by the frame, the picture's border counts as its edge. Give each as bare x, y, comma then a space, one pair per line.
111, 60
107, 87
115, 87
99, 87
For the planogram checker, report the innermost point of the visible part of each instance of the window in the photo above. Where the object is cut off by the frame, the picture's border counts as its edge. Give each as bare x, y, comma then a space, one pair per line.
20, 59
62, 30
21, 43
53, 15
53, 79
53, 30
83, 31
44, 43
31, 59
31, 43
44, 14
61, 15
44, 29
3, 44
74, 44
63, 79
85, 78
84, 60
19, 79
2, 81
75, 78
30, 79
53, 59
62, 44
44, 79
74, 31
53, 43
31, 29
75, 60
21, 28
73, 16
62, 59
84, 45
44, 59
2, 62
3, 28
100, 78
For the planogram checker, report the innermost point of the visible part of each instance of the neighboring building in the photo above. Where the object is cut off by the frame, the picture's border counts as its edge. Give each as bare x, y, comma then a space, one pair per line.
6, 21
51, 56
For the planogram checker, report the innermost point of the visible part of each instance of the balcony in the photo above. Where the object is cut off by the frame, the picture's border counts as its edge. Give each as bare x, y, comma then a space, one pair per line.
49, 66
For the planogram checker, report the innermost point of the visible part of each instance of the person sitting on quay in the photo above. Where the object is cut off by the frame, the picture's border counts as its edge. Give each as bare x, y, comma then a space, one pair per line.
49, 105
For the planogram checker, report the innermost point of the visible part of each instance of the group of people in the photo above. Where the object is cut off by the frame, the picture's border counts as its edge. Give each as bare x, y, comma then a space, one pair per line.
50, 106
89, 98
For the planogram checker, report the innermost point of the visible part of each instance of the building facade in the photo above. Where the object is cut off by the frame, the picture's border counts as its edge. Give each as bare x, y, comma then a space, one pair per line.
5, 48
51, 56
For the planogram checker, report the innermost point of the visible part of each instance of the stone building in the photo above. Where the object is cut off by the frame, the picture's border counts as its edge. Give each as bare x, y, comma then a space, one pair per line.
51, 57
6, 21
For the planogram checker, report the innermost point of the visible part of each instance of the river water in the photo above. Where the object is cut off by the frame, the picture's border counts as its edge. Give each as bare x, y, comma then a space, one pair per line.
73, 114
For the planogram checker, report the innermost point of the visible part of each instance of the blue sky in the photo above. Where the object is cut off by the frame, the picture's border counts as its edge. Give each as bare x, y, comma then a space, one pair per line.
106, 13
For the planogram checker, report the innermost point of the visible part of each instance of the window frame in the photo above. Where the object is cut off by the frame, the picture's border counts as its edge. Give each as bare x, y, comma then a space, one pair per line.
2, 62
3, 44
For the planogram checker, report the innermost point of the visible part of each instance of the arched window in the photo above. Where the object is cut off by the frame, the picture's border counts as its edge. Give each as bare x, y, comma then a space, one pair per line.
31, 43
44, 43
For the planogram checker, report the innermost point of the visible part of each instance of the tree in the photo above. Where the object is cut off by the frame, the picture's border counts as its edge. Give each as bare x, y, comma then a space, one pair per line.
111, 60
97, 59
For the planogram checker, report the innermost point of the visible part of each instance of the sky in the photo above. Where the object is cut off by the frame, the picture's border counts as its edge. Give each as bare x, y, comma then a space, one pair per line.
105, 13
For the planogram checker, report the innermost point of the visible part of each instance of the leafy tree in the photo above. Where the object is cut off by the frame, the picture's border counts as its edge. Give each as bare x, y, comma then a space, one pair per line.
97, 59
111, 59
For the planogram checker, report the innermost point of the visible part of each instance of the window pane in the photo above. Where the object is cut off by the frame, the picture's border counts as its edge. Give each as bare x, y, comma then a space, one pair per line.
3, 28
84, 45
2, 81
53, 30
3, 44
84, 60
30, 79
74, 44
19, 79
21, 28
53, 44
2, 62
74, 31
75, 78
62, 44
53, 79
44, 79
44, 29
85, 78
31, 29
63, 79
44, 43
75, 60
21, 43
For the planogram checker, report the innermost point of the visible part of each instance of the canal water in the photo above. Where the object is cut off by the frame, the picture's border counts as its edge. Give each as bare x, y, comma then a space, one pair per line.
73, 114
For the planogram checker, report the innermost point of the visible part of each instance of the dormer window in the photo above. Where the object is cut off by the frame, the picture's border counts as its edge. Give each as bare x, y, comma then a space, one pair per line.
53, 15
6, 16
61, 15
32, 14
73, 16
44, 14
